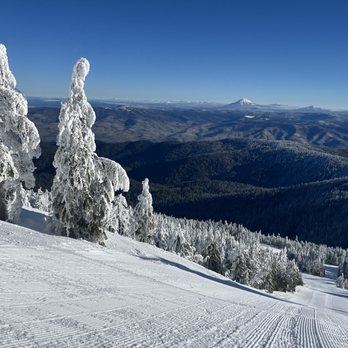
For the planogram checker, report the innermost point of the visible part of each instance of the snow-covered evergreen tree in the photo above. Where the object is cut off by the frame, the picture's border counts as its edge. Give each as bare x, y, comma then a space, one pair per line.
293, 275
84, 186
122, 216
143, 214
160, 233
229, 249
242, 272
279, 267
214, 259
19, 143
37, 199
310, 257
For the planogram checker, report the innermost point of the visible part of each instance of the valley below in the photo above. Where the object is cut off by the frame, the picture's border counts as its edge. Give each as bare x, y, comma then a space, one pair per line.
279, 187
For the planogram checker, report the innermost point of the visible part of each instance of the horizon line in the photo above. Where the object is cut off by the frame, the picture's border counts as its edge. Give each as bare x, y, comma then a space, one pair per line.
168, 101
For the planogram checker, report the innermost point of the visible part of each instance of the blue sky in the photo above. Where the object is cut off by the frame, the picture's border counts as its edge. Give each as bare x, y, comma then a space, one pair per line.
286, 51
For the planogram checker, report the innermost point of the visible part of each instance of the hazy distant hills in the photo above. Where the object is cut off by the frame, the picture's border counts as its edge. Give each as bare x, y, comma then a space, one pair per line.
279, 187
243, 119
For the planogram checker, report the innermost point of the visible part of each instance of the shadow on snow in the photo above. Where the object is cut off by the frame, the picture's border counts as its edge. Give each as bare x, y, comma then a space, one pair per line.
226, 282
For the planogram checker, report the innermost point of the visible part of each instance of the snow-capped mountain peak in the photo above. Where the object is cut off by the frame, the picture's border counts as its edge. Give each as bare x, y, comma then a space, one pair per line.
242, 104
247, 104
244, 101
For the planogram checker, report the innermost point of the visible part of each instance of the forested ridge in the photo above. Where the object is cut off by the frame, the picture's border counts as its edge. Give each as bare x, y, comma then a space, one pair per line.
276, 187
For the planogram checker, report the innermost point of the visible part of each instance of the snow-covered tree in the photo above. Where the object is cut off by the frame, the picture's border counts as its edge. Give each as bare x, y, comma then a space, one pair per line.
282, 272
122, 216
293, 276
214, 260
84, 186
19, 143
161, 233
143, 214
242, 272
228, 249
37, 199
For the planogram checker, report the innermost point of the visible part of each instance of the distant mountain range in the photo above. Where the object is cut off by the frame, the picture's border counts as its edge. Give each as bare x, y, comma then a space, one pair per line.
246, 104
241, 104
279, 169
36, 102
120, 123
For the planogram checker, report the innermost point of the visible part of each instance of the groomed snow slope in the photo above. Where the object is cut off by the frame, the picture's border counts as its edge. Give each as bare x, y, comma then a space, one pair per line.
59, 292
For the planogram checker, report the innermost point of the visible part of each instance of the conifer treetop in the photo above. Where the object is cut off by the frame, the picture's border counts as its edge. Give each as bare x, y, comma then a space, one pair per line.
79, 74
7, 79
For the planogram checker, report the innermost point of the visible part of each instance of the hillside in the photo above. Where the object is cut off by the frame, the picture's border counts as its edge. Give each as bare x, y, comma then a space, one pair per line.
122, 123
57, 291
278, 187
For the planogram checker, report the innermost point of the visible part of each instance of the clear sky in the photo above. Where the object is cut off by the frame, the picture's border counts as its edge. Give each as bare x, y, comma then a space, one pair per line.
285, 51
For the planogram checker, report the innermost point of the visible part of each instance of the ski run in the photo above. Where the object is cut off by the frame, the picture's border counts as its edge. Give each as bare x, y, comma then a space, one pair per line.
60, 292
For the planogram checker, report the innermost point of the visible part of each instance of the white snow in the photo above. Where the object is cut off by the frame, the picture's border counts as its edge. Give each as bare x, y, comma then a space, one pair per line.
60, 292
245, 101
34, 219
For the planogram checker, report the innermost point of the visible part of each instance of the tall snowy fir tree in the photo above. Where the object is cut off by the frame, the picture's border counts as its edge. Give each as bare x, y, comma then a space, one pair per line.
214, 260
19, 143
122, 216
143, 214
84, 186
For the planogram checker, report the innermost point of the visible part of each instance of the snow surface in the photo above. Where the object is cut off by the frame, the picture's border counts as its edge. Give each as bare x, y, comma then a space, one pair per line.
245, 101
60, 292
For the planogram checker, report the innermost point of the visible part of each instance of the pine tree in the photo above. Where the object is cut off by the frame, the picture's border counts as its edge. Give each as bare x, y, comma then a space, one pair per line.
121, 216
340, 281
19, 143
143, 214
84, 185
214, 259
161, 233
293, 276
241, 274
279, 271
